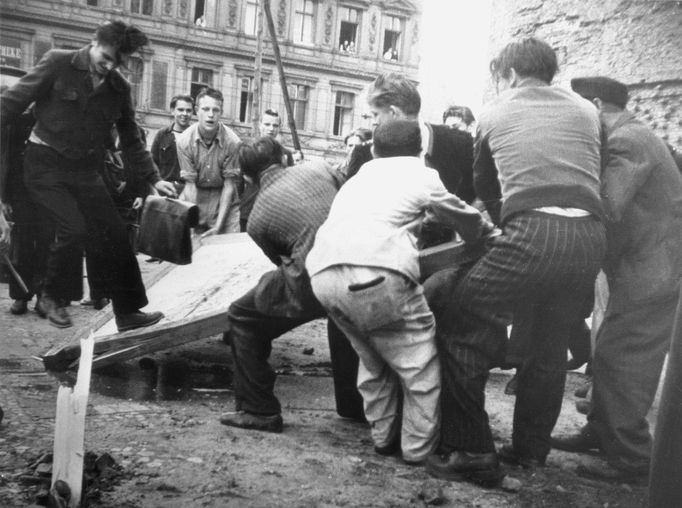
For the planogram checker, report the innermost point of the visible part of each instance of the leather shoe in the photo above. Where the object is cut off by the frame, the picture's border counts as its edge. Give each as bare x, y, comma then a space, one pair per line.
583, 406
609, 473
480, 468
56, 314
19, 307
96, 303
510, 388
509, 455
390, 449
585, 441
583, 390
137, 319
244, 420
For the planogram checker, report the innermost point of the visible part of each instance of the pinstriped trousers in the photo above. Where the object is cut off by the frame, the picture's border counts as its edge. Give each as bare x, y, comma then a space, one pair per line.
542, 260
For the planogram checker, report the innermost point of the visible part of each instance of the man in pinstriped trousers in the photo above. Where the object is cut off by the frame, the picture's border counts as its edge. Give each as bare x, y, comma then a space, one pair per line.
537, 165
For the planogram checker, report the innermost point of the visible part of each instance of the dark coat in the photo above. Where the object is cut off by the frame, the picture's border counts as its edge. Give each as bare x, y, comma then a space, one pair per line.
165, 154
642, 195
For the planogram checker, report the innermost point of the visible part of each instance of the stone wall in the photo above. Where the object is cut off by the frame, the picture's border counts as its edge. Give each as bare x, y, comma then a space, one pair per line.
638, 42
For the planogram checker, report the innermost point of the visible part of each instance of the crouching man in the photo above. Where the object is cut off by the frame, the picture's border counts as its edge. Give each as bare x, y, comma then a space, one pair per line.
289, 208
364, 270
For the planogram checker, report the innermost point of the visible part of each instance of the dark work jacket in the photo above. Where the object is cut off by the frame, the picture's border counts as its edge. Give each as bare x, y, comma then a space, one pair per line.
73, 118
451, 153
641, 190
165, 154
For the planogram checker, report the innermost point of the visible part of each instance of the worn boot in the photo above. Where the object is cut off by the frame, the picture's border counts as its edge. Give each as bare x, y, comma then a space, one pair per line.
54, 311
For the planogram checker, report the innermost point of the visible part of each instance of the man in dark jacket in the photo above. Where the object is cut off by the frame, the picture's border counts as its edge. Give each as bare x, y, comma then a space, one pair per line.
79, 95
164, 151
642, 194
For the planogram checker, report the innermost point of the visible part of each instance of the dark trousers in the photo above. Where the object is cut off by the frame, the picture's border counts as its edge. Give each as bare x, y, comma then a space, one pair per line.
665, 488
72, 194
251, 334
629, 352
544, 261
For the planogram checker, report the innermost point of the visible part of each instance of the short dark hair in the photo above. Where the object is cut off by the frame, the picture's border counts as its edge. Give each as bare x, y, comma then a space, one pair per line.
398, 138
210, 92
363, 133
394, 89
529, 57
271, 112
607, 89
462, 112
259, 155
185, 98
126, 39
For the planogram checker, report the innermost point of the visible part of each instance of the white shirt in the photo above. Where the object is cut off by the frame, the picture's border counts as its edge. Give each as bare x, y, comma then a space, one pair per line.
376, 217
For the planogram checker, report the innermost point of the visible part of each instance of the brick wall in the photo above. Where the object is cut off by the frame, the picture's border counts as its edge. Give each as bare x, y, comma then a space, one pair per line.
638, 42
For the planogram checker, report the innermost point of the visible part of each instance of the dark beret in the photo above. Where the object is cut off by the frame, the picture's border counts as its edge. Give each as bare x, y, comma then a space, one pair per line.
397, 137
606, 89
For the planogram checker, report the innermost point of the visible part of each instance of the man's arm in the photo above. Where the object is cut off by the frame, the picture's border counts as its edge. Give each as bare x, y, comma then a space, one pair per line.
625, 172
227, 196
486, 182
35, 85
446, 208
187, 171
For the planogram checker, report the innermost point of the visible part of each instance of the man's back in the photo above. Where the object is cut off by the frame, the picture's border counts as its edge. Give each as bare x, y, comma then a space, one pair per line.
642, 192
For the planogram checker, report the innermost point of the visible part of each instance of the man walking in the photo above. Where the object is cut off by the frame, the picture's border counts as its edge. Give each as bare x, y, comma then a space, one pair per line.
642, 193
79, 96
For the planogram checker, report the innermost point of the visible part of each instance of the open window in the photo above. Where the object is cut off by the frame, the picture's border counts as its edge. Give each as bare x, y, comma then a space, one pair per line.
201, 78
343, 113
392, 38
348, 29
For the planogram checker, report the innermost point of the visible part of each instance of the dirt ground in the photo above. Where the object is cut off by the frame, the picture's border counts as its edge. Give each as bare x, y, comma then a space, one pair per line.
158, 419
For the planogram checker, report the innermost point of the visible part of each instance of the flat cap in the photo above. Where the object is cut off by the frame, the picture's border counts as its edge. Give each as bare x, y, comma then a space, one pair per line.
606, 89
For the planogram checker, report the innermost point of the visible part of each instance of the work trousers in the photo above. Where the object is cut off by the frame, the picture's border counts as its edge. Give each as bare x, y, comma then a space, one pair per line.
628, 359
542, 261
390, 326
72, 194
251, 334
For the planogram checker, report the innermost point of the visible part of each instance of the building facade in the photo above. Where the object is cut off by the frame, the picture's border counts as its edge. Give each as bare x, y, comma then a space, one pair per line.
638, 42
331, 50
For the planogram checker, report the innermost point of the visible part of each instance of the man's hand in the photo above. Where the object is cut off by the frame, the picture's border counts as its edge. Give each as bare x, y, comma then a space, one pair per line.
137, 204
166, 188
210, 232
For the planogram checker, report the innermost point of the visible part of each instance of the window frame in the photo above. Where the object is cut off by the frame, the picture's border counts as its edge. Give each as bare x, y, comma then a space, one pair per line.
339, 125
300, 17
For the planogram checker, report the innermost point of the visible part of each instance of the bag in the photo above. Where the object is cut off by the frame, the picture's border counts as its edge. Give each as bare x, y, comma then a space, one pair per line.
165, 229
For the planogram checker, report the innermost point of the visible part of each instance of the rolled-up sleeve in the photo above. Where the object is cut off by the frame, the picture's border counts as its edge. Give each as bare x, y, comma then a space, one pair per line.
187, 170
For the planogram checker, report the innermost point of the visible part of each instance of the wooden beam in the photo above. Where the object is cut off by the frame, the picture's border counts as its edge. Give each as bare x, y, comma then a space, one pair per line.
69, 432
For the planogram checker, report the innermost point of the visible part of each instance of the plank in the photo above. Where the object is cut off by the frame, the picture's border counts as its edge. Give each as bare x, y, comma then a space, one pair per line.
194, 299
69, 433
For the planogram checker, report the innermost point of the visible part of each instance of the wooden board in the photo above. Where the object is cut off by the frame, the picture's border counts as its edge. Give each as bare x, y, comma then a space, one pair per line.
69, 432
194, 299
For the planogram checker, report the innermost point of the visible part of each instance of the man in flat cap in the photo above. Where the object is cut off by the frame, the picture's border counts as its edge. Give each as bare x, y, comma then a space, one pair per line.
642, 195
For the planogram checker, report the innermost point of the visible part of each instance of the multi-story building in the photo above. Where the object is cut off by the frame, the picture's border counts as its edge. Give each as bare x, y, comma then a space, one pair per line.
331, 50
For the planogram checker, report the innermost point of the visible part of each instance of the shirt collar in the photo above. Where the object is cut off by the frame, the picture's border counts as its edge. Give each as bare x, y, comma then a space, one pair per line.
220, 137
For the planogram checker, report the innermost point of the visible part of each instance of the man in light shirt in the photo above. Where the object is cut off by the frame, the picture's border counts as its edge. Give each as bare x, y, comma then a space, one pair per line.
364, 270
207, 153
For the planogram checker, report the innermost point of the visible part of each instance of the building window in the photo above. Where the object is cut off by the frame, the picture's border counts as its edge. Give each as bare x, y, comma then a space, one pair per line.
159, 85
304, 26
245, 99
251, 17
93, 3
133, 73
298, 95
343, 113
145, 7
200, 13
392, 31
201, 78
348, 32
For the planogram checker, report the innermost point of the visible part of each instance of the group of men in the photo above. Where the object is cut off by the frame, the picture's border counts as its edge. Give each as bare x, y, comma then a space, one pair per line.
573, 186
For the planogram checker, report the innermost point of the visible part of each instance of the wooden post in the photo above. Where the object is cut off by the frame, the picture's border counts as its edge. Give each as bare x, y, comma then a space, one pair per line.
69, 432
257, 91
282, 78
